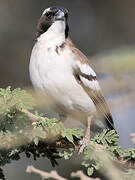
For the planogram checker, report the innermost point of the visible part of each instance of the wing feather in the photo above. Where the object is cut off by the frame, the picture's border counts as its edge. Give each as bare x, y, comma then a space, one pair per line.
98, 99
86, 77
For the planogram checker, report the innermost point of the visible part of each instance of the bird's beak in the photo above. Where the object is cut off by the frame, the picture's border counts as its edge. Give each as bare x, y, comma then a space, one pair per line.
60, 15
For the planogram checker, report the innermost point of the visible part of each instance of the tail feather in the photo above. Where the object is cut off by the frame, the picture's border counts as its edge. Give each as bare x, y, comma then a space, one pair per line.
109, 123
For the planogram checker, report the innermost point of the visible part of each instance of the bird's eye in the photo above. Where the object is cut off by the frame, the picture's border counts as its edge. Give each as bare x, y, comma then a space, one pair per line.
49, 15
66, 15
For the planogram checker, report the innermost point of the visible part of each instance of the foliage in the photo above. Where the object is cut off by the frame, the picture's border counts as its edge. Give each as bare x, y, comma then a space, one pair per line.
19, 134
110, 142
10, 102
129, 154
67, 153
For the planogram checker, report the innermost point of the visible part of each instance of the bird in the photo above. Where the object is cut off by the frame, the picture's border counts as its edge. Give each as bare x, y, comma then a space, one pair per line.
64, 74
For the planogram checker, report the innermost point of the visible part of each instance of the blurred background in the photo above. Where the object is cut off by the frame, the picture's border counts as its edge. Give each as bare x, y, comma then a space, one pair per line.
103, 30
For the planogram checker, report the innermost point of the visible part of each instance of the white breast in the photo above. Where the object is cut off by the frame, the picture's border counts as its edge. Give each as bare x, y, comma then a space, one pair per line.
52, 73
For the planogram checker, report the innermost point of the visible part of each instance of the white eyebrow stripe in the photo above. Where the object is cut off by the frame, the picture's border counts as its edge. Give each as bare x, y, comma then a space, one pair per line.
46, 10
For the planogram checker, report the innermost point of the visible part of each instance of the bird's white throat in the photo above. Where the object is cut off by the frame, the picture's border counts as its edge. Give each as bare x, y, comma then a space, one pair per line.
55, 35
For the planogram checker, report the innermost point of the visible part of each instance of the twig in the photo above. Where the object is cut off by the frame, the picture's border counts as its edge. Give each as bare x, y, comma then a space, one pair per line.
133, 137
60, 142
82, 176
32, 117
45, 175
54, 174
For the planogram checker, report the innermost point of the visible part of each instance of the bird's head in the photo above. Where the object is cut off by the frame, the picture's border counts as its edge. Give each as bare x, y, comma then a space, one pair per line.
53, 19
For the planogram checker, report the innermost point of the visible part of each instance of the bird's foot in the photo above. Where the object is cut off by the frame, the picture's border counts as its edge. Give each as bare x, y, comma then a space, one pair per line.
86, 139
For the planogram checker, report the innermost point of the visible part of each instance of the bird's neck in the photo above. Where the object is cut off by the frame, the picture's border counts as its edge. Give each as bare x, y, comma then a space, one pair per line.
54, 36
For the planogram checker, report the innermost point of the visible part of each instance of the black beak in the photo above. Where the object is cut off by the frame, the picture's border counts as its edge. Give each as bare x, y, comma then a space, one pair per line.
61, 14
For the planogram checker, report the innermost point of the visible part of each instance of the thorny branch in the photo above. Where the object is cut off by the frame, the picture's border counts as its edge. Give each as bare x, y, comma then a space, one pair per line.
31, 116
45, 175
60, 142
133, 137
82, 176
55, 175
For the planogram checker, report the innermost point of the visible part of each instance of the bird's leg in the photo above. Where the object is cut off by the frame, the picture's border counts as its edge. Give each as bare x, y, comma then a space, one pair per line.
86, 139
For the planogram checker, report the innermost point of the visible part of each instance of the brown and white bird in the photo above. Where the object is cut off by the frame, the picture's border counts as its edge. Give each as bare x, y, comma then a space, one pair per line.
63, 72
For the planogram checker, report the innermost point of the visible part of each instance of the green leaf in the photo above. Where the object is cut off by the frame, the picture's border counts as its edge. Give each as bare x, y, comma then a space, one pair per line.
85, 164
36, 141
66, 153
70, 133
90, 171
70, 138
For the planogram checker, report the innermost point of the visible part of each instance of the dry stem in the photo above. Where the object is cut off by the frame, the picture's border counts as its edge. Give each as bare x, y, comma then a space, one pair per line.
133, 137
55, 175
82, 176
31, 116
45, 175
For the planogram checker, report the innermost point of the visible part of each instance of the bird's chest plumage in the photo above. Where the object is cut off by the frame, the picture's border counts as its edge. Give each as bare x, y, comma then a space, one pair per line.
51, 70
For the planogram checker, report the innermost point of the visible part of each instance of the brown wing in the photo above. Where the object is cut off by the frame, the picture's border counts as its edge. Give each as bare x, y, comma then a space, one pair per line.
99, 101
87, 79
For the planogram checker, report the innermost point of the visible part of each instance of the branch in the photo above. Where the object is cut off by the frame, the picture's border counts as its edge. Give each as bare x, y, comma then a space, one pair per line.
45, 175
31, 116
82, 176
133, 137
54, 174
60, 142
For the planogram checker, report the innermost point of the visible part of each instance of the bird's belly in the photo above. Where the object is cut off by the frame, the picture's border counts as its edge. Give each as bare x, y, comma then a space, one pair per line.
53, 75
